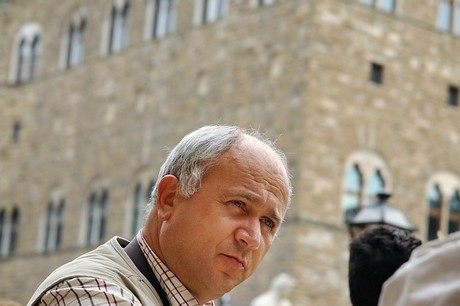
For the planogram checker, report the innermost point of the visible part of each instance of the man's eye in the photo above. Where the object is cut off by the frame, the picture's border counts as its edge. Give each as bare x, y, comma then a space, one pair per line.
238, 204
268, 222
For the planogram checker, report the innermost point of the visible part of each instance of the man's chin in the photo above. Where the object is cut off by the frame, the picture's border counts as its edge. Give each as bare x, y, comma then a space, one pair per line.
228, 281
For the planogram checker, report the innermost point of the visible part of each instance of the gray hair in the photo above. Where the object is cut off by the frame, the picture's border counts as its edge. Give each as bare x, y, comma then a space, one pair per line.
199, 151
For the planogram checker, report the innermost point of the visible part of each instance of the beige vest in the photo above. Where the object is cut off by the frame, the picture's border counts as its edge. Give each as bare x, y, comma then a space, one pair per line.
109, 262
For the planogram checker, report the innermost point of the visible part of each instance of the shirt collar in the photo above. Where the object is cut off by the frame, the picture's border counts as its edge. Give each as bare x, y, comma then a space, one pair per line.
177, 294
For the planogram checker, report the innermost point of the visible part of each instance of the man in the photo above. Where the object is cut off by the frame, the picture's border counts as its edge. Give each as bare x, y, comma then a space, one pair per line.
375, 255
219, 200
429, 278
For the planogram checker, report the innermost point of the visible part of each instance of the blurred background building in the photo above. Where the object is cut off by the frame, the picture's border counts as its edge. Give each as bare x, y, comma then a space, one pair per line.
362, 95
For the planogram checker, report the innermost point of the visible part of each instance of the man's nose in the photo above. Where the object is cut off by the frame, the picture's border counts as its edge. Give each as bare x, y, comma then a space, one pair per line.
249, 234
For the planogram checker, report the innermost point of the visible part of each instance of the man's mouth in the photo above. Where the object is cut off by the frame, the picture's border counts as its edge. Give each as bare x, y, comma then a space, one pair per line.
238, 260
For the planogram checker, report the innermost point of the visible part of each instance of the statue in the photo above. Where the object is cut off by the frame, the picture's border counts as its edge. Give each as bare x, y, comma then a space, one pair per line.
279, 292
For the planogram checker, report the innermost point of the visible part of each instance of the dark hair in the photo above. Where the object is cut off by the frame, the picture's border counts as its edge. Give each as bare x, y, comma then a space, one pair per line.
375, 255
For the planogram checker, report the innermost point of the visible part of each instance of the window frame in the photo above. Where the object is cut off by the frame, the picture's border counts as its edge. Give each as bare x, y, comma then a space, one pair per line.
98, 203
26, 54
448, 185
9, 231
368, 162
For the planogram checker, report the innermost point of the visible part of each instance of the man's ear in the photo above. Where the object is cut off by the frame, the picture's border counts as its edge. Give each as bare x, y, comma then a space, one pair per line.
167, 191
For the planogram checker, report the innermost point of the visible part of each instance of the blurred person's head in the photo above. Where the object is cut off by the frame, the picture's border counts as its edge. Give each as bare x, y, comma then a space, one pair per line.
375, 254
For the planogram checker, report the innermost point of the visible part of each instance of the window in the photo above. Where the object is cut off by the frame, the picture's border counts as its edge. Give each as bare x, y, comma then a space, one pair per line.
118, 33
75, 46
376, 73
25, 54
138, 204
434, 213
22, 57
443, 197
352, 192
449, 16
54, 225
9, 227
34, 57
367, 2
452, 96
160, 18
445, 16
17, 131
266, 2
209, 11
374, 185
454, 213
387, 6
456, 24
97, 217
365, 176
214, 10
141, 198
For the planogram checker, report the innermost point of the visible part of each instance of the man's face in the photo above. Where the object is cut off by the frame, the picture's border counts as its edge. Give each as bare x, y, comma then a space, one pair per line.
215, 239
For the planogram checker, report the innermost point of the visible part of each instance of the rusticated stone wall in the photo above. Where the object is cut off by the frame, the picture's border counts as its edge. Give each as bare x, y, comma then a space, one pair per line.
298, 70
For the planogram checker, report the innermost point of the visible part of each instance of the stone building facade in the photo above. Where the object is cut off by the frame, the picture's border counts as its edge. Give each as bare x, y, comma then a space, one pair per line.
360, 94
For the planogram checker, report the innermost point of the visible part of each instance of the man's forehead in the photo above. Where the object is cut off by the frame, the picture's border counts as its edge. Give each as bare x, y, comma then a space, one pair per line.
257, 154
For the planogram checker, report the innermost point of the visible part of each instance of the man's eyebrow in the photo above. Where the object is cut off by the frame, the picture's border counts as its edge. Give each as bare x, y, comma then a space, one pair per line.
250, 197
273, 214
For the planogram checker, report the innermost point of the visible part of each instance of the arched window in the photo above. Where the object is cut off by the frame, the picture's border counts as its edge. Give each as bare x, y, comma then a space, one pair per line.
164, 17
445, 12
352, 192
104, 203
17, 128
22, 56
60, 223
92, 219
54, 225
208, 11
71, 39
374, 185
9, 230
34, 56
2, 229
443, 195
124, 25
97, 217
75, 46
366, 174
138, 205
434, 215
265, 2
113, 27
14, 230
214, 9
386, 5
25, 54
49, 225
141, 198
454, 212
118, 34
